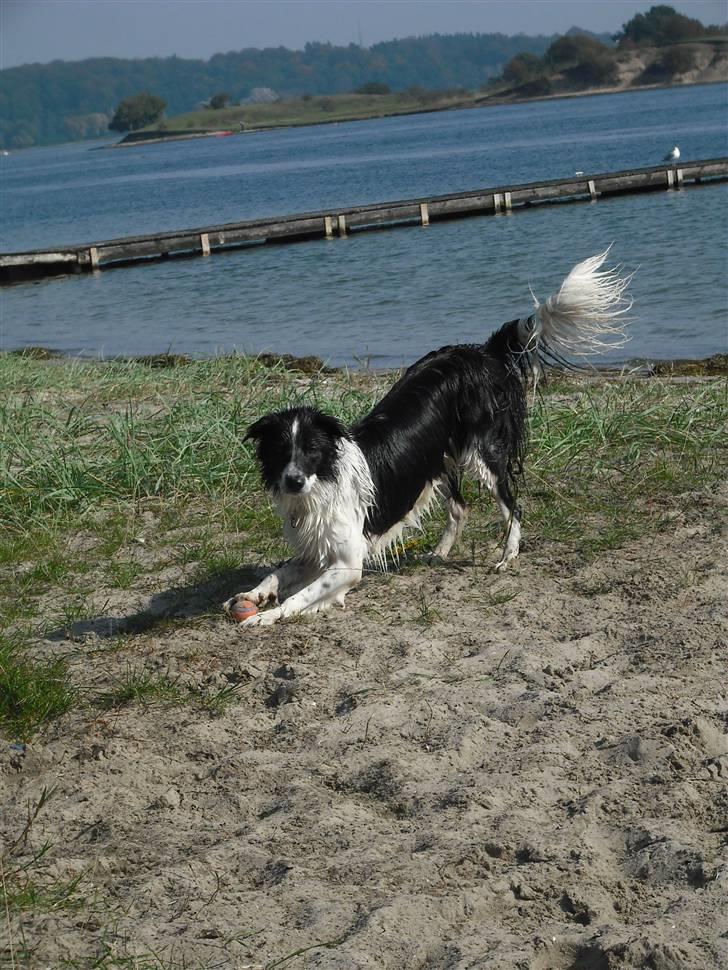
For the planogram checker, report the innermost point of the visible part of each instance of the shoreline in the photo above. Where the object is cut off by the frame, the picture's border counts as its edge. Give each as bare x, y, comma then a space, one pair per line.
714, 365
485, 102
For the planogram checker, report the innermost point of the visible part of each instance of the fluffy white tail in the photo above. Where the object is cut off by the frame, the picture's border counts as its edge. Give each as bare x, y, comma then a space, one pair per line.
585, 317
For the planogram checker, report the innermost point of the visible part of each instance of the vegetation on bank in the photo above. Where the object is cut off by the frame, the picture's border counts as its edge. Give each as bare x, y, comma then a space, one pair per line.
572, 63
525, 81
125, 483
45, 103
312, 110
137, 111
658, 47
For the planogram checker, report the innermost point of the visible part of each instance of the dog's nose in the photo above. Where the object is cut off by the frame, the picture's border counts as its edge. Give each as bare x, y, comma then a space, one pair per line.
294, 481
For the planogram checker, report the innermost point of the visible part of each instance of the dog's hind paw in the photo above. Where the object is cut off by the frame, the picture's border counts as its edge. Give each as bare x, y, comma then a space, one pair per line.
503, 564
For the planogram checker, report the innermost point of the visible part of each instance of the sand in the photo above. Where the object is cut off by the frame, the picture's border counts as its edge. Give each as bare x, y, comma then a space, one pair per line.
460, 770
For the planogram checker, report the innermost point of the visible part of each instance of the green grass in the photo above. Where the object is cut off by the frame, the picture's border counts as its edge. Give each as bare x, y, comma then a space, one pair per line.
142, 686
31, 693
603, 462
315, 110
111, 472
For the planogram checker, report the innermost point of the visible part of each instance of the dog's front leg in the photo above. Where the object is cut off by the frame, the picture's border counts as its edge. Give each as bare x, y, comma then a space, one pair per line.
330, 587
286, 579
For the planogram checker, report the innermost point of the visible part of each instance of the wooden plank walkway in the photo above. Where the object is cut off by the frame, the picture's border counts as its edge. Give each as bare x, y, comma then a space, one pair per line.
338, 222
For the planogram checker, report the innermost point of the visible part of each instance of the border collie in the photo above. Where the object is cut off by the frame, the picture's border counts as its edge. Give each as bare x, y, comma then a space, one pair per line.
346, 494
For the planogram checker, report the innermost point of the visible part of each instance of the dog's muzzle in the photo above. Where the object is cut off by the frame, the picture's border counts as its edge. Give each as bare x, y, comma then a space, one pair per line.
293, 482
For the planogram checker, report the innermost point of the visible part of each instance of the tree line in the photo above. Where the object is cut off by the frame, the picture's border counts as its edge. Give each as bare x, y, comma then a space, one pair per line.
65, 101
62, 101
581, 60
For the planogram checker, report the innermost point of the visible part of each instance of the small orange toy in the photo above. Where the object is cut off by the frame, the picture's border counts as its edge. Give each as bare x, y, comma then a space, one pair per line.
243, 610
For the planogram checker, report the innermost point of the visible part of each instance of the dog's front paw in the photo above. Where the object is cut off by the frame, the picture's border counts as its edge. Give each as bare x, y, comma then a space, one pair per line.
267, 618
254, 596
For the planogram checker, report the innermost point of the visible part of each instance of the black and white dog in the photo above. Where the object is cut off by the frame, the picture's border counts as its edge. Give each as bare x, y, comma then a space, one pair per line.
347, 494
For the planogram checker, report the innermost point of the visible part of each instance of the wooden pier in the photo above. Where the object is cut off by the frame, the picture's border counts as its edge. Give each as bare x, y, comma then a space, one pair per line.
337, 222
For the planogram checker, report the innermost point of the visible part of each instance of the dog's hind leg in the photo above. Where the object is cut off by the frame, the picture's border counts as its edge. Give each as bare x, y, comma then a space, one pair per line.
512, 518
457, 514
497, 485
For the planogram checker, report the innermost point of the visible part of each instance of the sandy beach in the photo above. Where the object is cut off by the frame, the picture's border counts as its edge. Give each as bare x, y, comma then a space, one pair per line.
461, 770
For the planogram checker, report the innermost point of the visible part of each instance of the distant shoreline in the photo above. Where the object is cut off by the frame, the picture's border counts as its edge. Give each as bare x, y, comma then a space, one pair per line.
158, 136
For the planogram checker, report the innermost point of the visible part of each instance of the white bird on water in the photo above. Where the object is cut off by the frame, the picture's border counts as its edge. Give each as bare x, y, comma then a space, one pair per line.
673, 156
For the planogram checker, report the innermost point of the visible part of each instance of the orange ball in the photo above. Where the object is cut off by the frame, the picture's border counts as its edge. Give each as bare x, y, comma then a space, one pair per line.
243, 610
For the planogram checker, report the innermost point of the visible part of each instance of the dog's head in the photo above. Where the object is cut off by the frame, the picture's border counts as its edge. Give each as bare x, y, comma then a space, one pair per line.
296, 448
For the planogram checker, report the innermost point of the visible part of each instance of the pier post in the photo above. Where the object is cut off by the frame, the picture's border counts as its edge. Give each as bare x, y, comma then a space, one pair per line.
424, 214
205, 243
328, 227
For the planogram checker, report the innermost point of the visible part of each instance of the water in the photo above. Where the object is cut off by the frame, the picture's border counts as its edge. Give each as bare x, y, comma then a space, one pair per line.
384, 297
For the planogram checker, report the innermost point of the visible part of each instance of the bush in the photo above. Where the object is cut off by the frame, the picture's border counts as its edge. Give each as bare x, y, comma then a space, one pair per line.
574, 49
221, 100
660, 25
137, 111
679, 60
521, 68
595, 71
676, 60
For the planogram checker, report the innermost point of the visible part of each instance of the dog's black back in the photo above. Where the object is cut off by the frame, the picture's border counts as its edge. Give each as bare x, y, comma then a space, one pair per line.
454, 400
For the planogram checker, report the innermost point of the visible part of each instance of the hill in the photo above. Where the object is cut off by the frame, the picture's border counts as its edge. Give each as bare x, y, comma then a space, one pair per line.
66, 101
584, 67
622, 70
45, 103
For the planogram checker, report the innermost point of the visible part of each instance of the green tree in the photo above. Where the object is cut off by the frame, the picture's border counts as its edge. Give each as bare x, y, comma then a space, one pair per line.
137, 111
593, 71
522, 68
574, 49
221, 100
661, 24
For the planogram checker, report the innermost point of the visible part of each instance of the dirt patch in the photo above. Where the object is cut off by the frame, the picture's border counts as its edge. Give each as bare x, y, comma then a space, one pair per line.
459, 771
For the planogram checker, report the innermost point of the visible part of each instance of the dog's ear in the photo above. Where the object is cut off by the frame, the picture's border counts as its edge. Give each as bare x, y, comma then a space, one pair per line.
260, 428
330, 425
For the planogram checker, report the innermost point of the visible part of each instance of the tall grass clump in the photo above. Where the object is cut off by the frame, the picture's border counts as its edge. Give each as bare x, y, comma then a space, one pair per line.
602, 458
126, 432
31, 692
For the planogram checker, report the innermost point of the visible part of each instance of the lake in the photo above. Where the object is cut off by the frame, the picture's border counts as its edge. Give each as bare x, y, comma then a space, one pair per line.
387, 297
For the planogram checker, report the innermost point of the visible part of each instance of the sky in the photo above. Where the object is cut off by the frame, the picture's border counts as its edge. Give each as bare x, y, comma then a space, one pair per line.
38, 31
